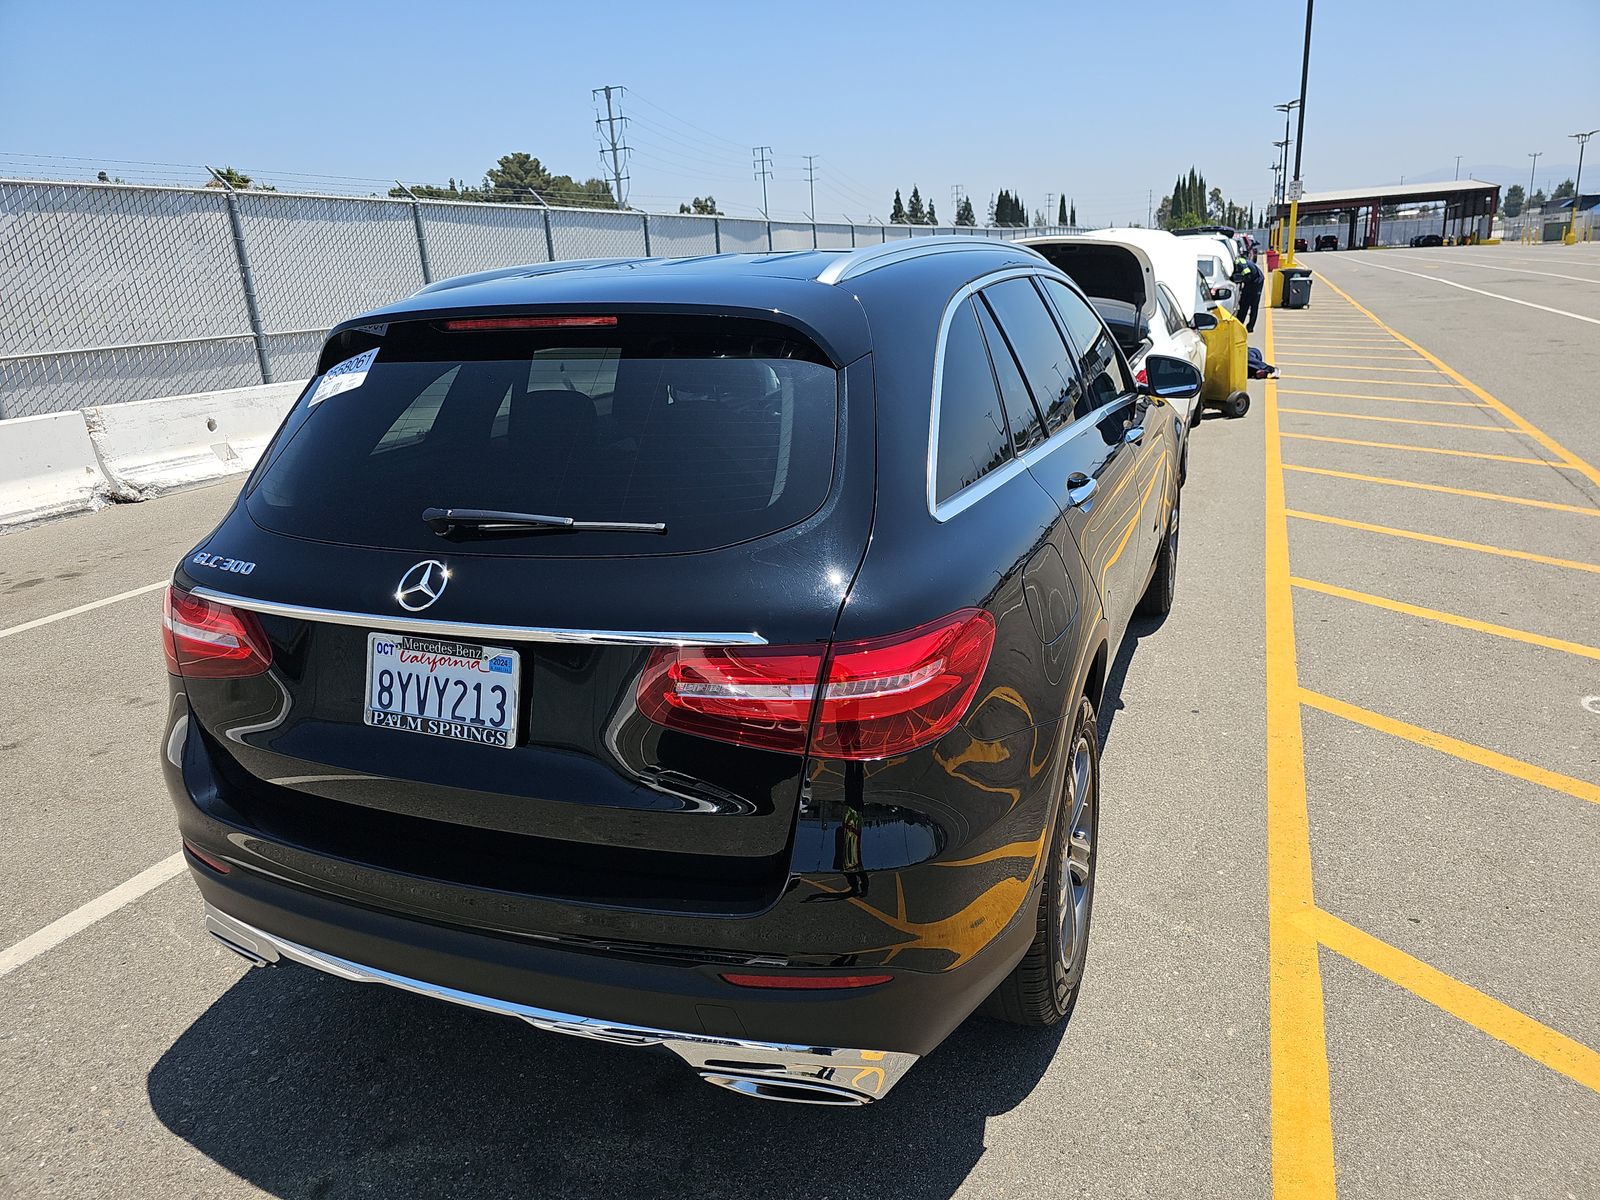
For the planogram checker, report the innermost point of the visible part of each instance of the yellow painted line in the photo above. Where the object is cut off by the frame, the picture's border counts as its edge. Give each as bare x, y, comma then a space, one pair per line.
1582, 789
1370, 396
1318, 412
1439, 487
1343, 366
1455, 543
1445, 618
1511, 458
1379, 382
1302, 1110
1500, 1021
1355, 356
1505, 410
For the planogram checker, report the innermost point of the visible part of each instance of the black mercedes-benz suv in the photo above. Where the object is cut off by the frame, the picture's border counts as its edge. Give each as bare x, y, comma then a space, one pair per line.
697, 653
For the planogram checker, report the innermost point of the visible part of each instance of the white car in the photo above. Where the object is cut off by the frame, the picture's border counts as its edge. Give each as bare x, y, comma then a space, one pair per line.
1214, 258
1153, 274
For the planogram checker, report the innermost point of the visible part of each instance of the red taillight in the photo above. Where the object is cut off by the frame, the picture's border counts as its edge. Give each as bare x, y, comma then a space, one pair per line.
207, 640
216, 864
1141, 376
882, 696
807, 982
483, 324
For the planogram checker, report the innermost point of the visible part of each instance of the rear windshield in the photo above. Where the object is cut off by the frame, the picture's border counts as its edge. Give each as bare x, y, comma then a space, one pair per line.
723, 430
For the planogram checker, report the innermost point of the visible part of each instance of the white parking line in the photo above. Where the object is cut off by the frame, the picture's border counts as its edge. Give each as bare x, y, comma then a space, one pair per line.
80, 918
82, 608
1560, 312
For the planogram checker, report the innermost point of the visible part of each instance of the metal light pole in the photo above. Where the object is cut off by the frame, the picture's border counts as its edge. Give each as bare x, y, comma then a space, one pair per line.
1300, 136
1527, 201
1577, 185
1458, 166
1287, 109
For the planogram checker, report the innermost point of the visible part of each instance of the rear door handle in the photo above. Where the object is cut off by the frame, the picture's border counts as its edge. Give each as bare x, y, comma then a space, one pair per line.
1080, 488
1134, 435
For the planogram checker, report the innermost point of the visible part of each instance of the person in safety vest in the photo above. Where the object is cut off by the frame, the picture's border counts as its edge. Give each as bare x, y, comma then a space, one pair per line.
1250, 278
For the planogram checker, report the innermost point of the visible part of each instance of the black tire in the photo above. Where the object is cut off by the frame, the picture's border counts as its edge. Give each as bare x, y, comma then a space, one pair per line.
1043, 988
1157, 598
1236, 405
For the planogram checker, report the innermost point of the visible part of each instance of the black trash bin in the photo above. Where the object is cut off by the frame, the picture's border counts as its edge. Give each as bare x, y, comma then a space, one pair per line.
1296, 287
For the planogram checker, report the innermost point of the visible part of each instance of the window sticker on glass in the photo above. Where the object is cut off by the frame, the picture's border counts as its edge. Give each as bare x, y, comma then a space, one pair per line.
349, 374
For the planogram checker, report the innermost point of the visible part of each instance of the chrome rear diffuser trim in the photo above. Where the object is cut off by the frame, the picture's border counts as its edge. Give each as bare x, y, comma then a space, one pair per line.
766, 1070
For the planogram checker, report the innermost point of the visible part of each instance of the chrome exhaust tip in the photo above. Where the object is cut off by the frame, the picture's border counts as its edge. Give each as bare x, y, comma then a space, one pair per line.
788, 1091
236, 936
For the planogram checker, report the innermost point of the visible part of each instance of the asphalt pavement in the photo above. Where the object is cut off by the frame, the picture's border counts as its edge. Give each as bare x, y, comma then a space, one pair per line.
1367, 738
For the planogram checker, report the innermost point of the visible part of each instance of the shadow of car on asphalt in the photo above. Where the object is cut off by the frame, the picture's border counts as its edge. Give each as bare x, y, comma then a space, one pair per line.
307, 1086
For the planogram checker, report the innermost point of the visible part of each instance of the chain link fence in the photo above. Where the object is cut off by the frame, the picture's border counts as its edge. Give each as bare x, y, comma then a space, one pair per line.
117, 292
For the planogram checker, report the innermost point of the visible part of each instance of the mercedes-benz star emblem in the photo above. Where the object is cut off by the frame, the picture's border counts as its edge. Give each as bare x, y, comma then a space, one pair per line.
422, 585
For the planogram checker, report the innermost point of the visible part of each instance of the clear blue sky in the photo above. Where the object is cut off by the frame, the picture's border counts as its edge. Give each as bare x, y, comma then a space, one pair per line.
1103, 102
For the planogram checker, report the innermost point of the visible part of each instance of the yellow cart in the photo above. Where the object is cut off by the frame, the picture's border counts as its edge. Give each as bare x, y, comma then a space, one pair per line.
1227, 375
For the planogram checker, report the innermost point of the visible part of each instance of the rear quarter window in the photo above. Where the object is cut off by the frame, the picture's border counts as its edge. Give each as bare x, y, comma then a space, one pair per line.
973, 438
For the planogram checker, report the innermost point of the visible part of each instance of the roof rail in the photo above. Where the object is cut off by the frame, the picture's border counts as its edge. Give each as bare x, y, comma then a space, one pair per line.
859, 262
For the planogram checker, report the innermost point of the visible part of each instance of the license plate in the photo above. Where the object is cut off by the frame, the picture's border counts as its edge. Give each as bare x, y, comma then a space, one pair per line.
443, 688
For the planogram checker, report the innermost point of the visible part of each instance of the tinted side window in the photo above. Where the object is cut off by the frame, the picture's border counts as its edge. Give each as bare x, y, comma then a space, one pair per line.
1046, 361
1105, 378
973, 438
1026, 427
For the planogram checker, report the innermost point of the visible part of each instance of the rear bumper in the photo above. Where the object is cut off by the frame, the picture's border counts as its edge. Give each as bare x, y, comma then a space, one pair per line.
835, 1046
766, 1070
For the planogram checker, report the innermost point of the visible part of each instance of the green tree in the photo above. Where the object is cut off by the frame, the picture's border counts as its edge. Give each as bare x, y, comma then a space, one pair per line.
1072, 214
964, 212
897, 214
1538, 199
704, 206
993, 210
1061, 212
933, 217
1515, 197
522, 179
237, 180
915, 213
1564, 190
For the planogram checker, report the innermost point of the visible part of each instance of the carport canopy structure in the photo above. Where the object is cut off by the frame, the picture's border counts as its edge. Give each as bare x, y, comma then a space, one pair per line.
1465, 202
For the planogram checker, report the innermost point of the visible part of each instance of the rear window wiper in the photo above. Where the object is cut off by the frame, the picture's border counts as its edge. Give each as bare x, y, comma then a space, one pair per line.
487, 520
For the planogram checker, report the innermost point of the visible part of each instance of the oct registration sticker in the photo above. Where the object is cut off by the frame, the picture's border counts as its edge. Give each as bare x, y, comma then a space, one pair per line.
443, 688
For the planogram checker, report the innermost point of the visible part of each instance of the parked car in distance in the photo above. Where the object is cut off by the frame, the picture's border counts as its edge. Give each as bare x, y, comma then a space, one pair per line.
1150, 269
696, 653
1327, 241
1428, 239
1299, 243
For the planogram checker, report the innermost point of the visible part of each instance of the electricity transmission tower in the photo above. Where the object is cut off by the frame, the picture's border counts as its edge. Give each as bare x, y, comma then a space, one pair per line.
609, 143
761, 159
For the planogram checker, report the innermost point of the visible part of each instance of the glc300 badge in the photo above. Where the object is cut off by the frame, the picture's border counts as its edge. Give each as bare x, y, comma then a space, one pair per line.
422, 585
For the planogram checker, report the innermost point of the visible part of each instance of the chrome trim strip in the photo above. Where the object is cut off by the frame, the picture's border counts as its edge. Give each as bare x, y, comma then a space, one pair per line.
943, 510
870, 258
476, 632
766, 1070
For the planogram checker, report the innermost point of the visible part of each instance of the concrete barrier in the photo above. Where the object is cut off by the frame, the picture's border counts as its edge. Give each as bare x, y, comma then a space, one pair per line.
147, 447
48, 467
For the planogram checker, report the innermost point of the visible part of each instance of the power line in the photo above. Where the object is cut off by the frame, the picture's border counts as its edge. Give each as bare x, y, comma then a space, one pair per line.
811, 180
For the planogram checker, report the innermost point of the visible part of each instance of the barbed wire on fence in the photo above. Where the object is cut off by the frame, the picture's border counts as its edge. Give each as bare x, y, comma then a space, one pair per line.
127, 289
